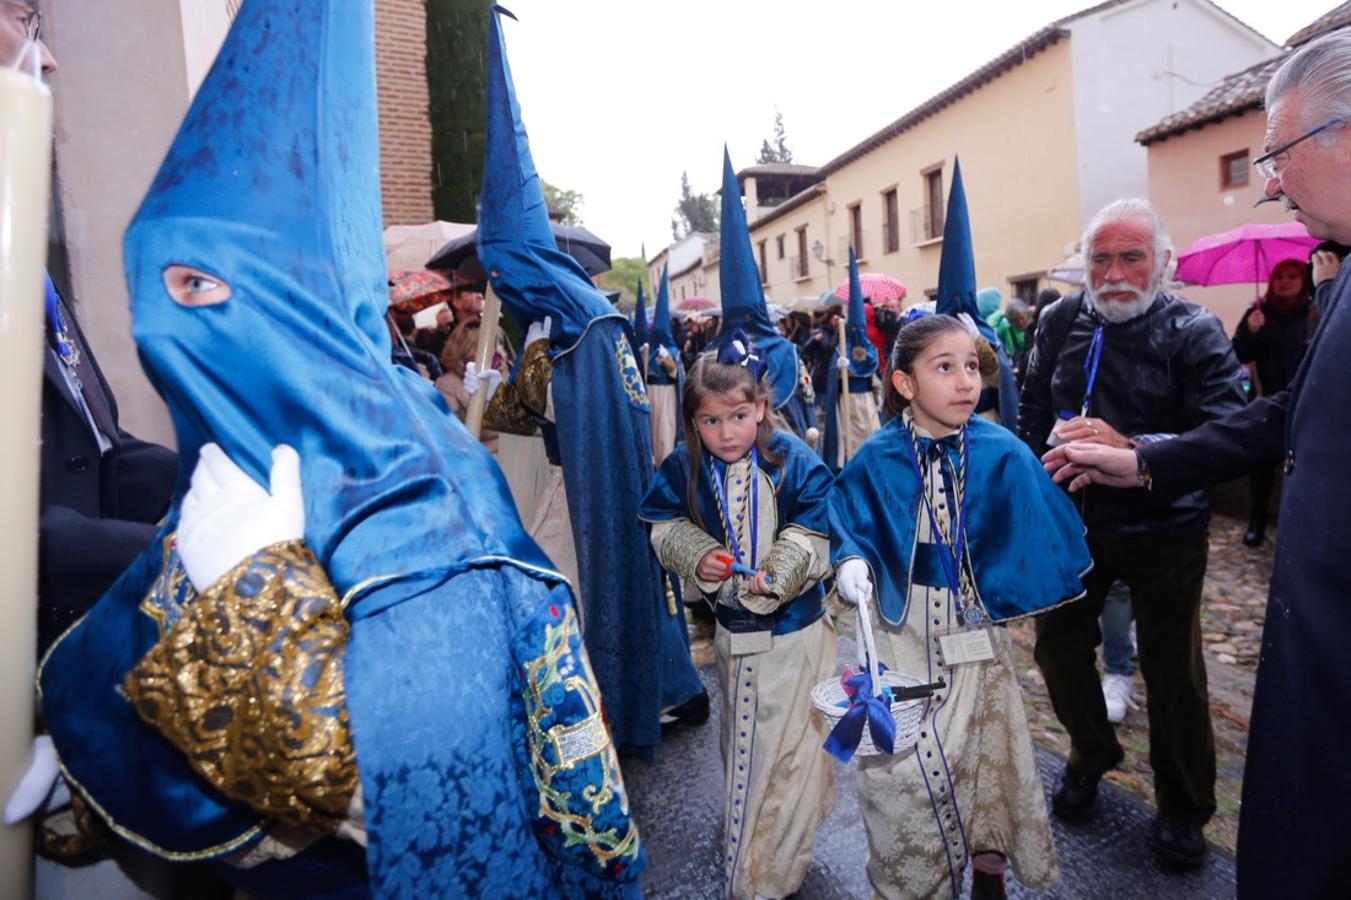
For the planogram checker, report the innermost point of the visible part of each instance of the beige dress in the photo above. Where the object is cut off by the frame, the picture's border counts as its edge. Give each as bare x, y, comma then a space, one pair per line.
780, 783
665, 411
971, 784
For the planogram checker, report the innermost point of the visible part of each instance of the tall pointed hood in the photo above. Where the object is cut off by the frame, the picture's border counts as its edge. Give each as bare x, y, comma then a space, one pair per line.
515, 240
862, 352
743, 297
640, 317
661, 316
957, 267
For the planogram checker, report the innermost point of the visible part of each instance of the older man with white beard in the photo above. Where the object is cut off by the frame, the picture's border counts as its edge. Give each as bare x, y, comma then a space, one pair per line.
1123, 363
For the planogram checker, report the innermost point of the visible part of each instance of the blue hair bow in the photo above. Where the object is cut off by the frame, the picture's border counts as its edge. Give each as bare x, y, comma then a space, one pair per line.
739, 351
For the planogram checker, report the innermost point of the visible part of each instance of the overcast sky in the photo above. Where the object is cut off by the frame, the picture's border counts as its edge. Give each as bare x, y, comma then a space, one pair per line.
619, 97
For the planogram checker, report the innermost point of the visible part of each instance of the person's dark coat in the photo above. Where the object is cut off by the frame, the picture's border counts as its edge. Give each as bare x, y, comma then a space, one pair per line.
1295, 814
1277, 347
97, 512
1164, 372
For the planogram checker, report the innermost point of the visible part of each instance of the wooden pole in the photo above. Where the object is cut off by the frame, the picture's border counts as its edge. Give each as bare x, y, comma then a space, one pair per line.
487, 345
843, 414
25, 171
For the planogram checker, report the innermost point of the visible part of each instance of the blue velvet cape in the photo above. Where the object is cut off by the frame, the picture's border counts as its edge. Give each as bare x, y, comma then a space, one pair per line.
1025, 540
272, 186
639, 651
801, 497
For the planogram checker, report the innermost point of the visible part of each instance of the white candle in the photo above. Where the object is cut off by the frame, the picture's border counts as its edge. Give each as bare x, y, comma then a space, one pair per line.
25, 175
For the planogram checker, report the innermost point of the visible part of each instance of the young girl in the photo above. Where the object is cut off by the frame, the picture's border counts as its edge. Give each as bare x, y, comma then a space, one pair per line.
953, 521
741, 511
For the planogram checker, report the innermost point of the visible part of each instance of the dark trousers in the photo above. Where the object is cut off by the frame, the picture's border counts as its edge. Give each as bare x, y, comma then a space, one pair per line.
1260, 485
1165, 577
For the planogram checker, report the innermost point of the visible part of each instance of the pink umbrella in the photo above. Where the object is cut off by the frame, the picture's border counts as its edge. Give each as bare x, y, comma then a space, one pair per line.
695, 304
1246, 254
877, 287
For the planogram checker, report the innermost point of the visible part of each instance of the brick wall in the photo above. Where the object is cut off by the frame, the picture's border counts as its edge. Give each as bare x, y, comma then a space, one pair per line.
405, 132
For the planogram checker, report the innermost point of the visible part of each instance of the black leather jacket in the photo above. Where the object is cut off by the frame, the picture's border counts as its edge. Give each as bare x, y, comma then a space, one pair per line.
1165, 372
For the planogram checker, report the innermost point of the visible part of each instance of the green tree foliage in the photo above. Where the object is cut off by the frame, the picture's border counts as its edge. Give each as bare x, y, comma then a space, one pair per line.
624, 275
457, 35
778, 151
569, 203
694, 212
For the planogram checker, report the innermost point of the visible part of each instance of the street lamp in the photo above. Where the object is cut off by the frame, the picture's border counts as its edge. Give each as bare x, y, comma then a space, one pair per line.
819, 251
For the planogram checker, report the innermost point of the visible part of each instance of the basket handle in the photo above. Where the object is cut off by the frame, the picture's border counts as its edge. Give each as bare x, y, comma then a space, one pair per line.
865, 628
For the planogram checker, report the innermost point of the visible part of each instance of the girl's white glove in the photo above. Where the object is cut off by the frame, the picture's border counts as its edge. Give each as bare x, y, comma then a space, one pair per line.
854, 581
539, 330
662, 352
35, 784
473, 380
227, 516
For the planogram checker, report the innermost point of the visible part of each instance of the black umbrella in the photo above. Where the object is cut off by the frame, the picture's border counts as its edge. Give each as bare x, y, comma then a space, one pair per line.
590, 251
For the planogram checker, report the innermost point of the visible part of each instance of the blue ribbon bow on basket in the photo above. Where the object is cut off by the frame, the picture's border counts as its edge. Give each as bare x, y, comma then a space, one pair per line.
866, 706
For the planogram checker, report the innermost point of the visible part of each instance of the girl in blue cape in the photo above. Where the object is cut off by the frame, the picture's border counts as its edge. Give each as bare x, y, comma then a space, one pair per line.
740, 510
953, 522
343, 669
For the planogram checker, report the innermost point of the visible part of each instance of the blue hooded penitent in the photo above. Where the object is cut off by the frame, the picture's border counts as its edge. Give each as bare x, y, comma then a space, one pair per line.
957, 294
640, 319
640, 652
272, 188
862, 356
744, 309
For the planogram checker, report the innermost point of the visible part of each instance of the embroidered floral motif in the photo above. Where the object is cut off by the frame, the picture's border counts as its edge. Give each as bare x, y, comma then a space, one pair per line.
571, 755
629, 372
249, 685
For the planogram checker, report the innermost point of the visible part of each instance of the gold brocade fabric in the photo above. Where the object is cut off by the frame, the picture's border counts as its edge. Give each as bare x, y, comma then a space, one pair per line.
248, 684
517, 403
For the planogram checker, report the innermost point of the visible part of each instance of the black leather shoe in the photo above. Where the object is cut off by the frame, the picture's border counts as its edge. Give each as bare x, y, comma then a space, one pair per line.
985, 886
1254, 535
693, 711
1178, 842
1075, 795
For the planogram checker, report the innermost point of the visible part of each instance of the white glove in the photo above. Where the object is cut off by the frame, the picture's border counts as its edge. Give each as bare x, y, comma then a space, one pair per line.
539, 330
662, 352
35, 784
473, 380
854, 581
841, 363
227, 516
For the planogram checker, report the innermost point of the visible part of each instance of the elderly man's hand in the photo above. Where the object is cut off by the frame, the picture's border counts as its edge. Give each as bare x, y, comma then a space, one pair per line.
1090, 430
1092, 463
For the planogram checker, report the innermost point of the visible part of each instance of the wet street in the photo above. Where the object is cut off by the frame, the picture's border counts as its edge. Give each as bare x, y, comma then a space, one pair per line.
678, 802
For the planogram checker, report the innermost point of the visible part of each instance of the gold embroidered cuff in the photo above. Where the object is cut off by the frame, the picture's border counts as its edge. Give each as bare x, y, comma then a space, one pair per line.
789, 564
517, 403
249, 686
505, 413
685, 544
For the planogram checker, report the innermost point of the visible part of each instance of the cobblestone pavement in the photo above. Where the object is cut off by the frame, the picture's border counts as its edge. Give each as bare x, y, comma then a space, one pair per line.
678, 800
678, 803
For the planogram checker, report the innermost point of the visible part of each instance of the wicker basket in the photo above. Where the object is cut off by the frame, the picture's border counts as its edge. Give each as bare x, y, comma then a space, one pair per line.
828, 696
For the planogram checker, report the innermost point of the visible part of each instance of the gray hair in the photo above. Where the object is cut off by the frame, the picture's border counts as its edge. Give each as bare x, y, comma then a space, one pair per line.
1321, 72
1131, 209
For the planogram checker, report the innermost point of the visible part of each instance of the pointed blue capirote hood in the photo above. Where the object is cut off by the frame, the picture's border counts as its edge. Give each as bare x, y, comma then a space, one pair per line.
661, 316
957, 267
743, 296
272, 186
862, 352
515, 240
640, 318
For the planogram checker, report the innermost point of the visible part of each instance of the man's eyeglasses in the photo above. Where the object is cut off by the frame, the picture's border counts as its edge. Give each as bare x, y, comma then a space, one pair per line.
1269, 164
29, 18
